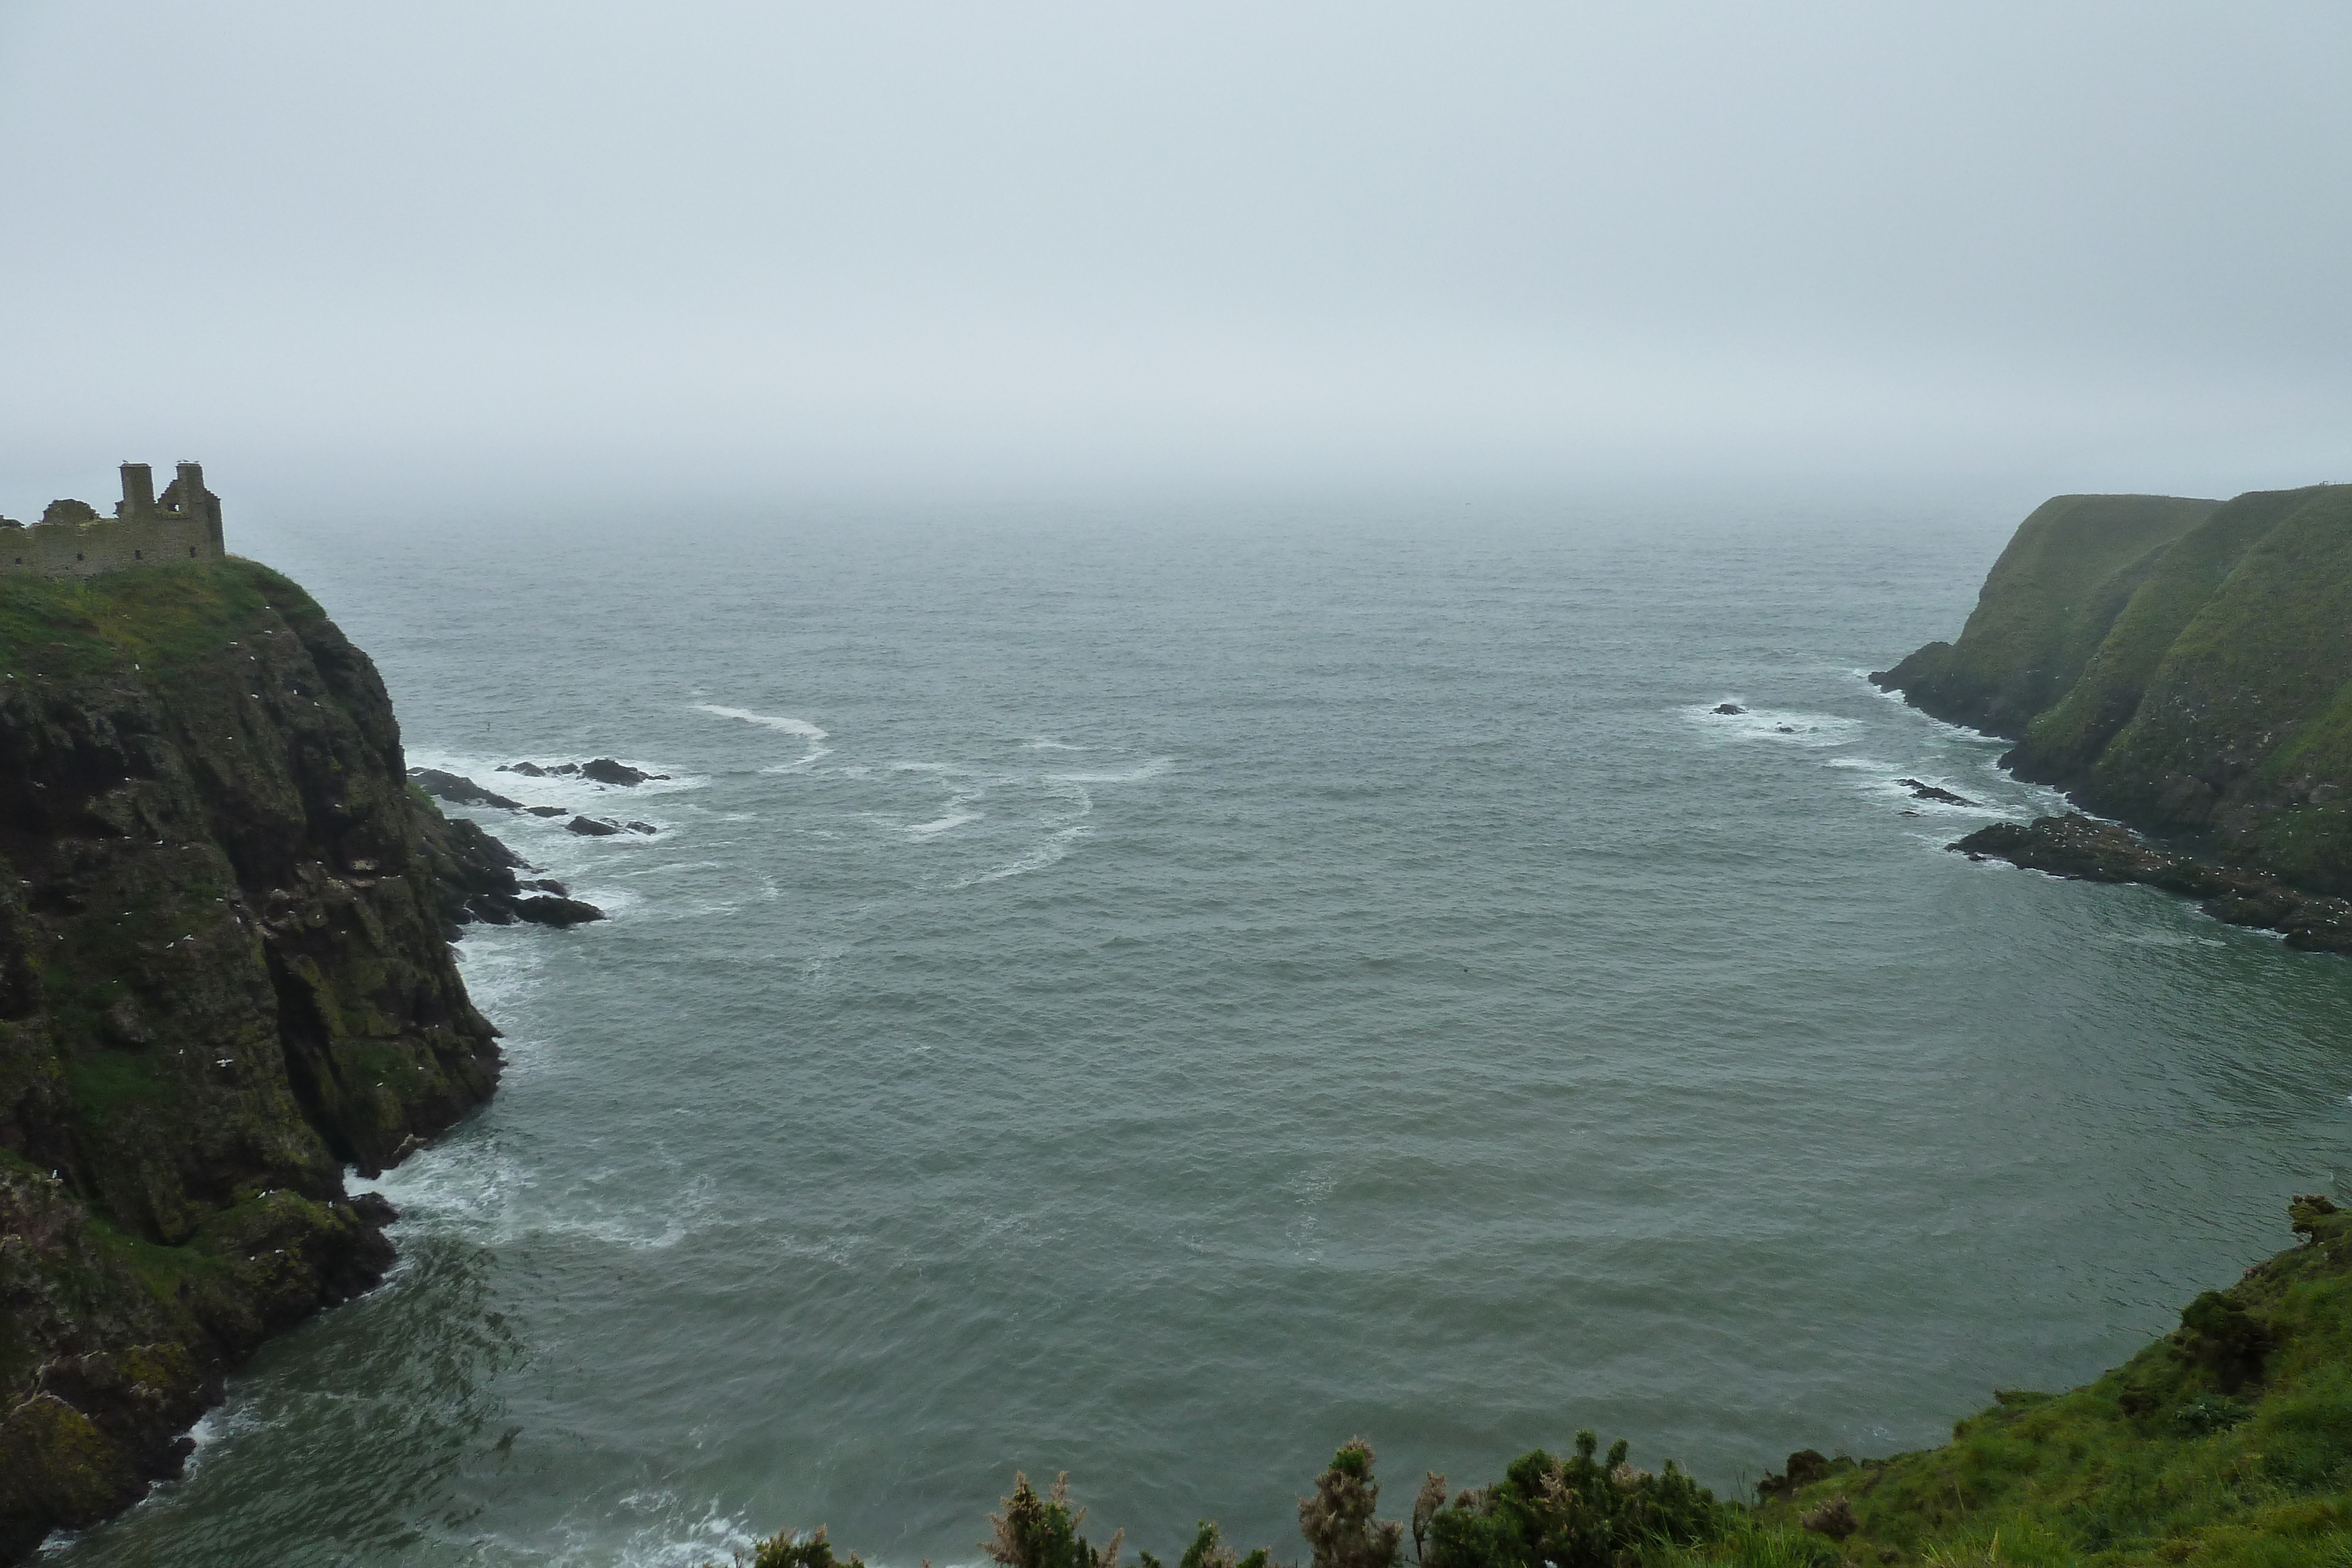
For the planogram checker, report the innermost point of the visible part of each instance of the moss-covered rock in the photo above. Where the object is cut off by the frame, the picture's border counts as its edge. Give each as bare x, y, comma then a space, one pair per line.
224, 976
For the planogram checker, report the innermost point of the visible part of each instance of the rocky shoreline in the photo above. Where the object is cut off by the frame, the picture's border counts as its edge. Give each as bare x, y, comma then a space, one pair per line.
459, 790
2084, 849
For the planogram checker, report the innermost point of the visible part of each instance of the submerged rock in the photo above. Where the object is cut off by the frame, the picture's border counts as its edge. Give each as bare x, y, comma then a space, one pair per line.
607, 770
1730, 708
598, 769
546, 910
1924, 791
592, 827
458, 789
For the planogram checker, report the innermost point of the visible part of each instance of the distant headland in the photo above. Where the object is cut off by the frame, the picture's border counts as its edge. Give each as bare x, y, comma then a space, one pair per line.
2183, 667
73, 539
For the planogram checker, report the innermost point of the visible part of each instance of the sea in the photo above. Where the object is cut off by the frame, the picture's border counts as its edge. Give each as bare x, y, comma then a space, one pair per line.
1153, 992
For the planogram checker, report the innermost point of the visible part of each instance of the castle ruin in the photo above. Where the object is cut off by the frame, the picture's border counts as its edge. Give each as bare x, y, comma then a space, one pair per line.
72, 539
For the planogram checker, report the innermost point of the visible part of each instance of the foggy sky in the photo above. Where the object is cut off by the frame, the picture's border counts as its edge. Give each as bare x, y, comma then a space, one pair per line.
707, 247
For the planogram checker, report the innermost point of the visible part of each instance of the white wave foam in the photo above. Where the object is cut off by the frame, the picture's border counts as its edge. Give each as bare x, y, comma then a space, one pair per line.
799, 726
801, 763
932, 830
473, 1188
1793, 728
1055, 846
1043, 744
1135, 775
670, 1531
2159, 939
497, 972
1887, 778
569, 792
783, 724
1878, 691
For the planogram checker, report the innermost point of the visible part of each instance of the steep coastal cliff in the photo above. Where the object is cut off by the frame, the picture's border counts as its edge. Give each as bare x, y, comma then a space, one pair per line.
2183, 666
224, 976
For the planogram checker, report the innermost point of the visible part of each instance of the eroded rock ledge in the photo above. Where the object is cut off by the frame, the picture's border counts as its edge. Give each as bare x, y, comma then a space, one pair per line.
2077, 846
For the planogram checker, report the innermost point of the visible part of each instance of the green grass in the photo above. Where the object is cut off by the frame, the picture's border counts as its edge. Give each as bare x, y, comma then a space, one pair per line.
158, 617
2048, 600
162, 1270
2184, 667
2065, 741
2268, 654
109, 1084
2227, 1443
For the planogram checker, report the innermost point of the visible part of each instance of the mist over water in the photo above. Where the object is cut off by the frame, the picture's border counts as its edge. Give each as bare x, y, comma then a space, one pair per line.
1159, 997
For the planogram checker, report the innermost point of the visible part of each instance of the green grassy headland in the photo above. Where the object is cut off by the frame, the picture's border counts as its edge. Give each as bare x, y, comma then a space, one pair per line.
2183, 666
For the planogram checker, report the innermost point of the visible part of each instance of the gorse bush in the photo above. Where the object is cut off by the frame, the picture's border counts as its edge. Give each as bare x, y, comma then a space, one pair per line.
1545, 1512
791, 1551
1043, 1533
1209, 1550
1337, 1520
1573, 1513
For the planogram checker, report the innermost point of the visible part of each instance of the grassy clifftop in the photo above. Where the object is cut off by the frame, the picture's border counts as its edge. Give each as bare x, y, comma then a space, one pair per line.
2065, 577
2212, 700
223, 977
2227, 1443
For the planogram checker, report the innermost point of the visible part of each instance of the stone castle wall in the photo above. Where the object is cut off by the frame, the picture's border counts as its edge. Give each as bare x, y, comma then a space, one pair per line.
109, 544
73, 540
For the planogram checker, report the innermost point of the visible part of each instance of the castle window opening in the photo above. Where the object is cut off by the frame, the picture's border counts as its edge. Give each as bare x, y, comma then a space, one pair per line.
77, 555
135, 554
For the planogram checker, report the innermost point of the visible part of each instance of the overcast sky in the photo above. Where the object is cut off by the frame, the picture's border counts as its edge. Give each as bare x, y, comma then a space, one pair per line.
704, 247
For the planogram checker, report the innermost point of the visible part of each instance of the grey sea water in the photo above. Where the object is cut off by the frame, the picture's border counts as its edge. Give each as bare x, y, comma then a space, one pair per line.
1158, 994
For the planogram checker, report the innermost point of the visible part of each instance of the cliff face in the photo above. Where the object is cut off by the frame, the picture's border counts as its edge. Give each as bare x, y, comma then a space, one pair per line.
224, 975
2047, 604
2182, 667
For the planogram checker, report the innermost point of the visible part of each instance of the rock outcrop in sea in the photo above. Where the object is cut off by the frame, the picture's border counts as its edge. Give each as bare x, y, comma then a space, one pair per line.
225, 976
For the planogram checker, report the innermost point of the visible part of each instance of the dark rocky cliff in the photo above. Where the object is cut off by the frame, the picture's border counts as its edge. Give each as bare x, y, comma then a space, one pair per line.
2182, 667
224, 976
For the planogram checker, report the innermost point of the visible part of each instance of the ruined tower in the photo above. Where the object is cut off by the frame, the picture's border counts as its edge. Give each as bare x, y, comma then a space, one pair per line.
72, 540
